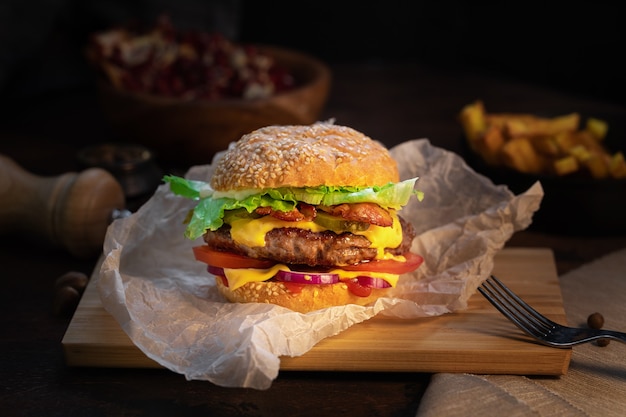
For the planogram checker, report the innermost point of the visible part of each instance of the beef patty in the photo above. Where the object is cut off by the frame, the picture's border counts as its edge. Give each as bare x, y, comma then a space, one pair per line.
303, 247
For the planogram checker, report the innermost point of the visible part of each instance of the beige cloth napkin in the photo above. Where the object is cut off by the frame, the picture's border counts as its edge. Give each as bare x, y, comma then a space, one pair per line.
595, 384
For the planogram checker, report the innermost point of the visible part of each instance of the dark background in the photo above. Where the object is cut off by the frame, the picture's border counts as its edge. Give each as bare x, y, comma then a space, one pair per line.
574, 46
48, 111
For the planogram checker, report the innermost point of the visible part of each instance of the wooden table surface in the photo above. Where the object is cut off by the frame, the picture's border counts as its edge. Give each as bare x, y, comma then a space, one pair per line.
390, 103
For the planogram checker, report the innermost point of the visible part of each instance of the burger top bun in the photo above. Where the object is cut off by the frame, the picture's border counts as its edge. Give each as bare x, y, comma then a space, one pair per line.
304, 156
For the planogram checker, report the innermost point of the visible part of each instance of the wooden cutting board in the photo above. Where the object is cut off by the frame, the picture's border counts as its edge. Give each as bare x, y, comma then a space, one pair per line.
477, 340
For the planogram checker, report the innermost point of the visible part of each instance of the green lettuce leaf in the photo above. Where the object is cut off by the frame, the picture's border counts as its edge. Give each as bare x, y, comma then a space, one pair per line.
209, 213
184, 187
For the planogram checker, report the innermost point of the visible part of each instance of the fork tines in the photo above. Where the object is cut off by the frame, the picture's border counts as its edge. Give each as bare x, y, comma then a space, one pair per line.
515, 309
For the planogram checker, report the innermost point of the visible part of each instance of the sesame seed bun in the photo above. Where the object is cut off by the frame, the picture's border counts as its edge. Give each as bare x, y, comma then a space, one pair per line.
304, 156
310, 298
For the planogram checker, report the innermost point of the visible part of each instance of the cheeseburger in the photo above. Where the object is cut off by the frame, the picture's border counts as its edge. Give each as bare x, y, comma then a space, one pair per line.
305, 217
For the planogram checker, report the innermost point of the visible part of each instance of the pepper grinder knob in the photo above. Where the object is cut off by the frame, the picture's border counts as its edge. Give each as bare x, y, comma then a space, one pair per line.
72, 210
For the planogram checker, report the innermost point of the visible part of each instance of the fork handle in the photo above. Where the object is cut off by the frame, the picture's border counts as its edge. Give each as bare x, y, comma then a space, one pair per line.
611, 334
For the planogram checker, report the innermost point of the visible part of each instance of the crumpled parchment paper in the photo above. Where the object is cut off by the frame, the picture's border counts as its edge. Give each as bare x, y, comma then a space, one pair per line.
168, 305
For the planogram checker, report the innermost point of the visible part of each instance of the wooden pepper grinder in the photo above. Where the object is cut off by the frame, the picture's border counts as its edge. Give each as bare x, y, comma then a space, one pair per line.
72, 210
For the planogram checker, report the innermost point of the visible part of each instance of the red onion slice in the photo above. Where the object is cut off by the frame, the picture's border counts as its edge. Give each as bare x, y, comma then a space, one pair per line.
373, 282
307, 277
215, 270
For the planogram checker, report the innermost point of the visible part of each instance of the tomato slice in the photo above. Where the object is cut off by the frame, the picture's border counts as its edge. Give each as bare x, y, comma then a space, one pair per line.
294, 287
413, 261
227, 259
356, 288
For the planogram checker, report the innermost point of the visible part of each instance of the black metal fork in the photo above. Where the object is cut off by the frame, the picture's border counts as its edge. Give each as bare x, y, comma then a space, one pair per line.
535, 324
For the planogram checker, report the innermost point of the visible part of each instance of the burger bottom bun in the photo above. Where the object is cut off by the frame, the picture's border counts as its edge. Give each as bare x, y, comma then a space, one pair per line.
310, 298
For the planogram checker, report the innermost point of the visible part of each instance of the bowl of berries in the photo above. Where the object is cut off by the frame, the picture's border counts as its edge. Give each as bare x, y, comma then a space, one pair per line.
187, 94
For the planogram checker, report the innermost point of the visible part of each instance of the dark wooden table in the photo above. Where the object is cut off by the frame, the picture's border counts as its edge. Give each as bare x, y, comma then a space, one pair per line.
390, 103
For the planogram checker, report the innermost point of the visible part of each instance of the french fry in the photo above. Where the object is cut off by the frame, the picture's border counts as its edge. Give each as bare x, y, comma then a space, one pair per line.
539, 126
501, 119
566, 165
565, 141
519, 154
597, 127
587, 139
579, 152
473, 121
617, 165
597, 166
546, 145
489, 145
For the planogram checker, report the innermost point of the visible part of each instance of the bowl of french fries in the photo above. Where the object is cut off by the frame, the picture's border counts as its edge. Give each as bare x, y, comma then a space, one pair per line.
581, 168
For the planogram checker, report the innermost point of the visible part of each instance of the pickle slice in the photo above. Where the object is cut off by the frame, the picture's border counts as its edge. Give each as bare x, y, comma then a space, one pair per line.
339, 224
238, 214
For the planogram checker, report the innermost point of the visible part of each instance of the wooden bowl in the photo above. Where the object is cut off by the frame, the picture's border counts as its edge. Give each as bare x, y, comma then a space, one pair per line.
191, 132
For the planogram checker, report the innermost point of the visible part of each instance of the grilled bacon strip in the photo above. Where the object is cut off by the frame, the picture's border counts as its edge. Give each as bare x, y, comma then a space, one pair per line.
361, 212
302, 212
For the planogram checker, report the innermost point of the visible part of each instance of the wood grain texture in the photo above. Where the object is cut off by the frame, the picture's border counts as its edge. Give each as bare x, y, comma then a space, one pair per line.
478, 340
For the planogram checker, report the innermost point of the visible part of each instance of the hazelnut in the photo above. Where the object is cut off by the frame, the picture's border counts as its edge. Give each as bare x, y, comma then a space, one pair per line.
74, 279
68, 289
603, 342
595, 321
65, 301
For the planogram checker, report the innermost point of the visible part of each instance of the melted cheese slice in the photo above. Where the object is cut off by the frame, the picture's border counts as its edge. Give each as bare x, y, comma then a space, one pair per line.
251, 232
241, 276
